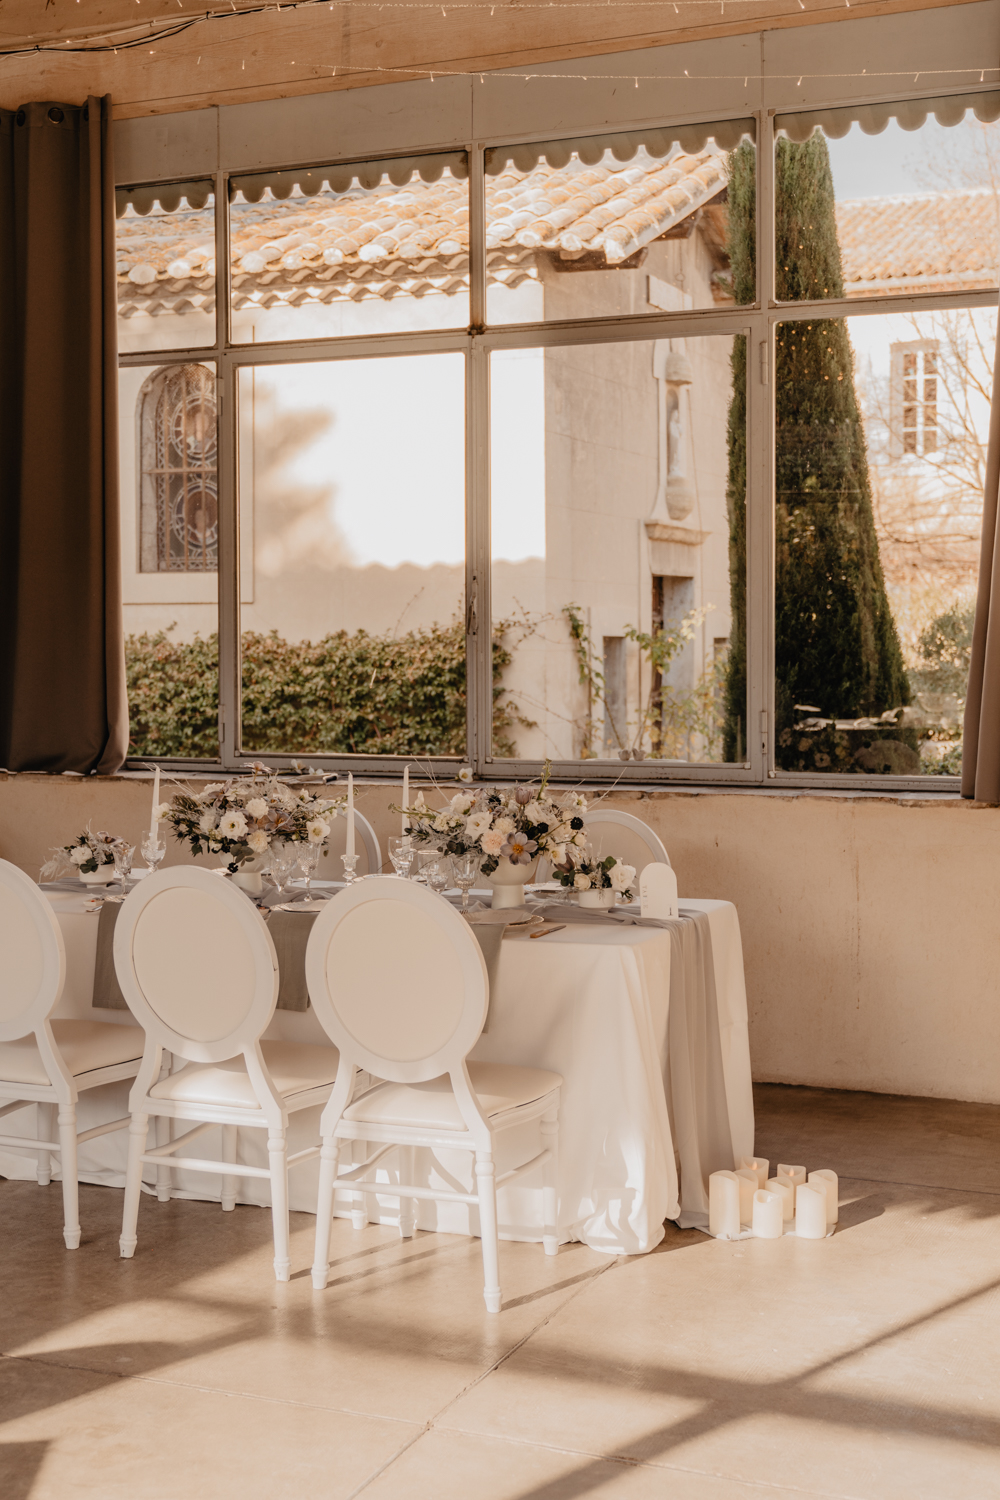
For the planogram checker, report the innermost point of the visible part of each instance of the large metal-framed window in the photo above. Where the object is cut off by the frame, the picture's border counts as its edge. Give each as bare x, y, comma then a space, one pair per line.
664, 331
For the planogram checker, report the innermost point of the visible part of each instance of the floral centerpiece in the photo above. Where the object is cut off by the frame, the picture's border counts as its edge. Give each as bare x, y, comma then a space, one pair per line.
596, 875
239, 818
89, 854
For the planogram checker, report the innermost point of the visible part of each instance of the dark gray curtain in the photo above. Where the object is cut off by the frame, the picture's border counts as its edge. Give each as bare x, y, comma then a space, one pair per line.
62, 671
981, 740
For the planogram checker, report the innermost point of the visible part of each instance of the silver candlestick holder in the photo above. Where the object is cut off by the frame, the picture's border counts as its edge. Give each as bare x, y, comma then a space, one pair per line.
349, 862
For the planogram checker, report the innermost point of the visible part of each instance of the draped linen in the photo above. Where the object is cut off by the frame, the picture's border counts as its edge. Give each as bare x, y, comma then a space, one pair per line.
63, 704
981, 738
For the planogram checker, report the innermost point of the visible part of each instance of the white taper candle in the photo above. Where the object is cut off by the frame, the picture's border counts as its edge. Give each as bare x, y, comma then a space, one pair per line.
406, 799
154, 817
350, 814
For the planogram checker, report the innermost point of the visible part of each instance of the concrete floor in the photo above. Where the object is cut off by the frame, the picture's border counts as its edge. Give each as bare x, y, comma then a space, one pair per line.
866, 1366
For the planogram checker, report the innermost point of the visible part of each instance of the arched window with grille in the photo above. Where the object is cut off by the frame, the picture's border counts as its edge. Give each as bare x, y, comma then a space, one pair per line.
178, 447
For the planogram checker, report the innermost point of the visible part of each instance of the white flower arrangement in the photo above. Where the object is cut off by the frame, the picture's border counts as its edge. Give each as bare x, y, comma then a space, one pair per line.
508, 823
239, 818
87, 853
586, 874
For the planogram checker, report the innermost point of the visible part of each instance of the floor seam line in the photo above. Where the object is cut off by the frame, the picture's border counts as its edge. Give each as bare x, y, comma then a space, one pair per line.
508, 1354
926, 1186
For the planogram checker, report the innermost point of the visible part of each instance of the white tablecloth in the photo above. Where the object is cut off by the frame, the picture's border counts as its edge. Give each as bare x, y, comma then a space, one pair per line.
652, 1101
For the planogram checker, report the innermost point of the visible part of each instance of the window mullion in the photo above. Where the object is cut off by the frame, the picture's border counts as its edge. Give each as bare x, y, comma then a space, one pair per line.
229, 550
479, 697
761, 470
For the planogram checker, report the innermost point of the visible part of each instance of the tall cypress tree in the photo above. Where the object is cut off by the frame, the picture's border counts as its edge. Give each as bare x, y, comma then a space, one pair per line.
836, 646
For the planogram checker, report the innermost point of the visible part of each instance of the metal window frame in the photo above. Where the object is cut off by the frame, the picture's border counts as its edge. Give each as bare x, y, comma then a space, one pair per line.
758, 321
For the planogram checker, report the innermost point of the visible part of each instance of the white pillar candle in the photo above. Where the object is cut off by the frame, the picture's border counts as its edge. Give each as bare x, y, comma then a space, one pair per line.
795, 1175
784, 1190
767, 1220
406, 799
810, 1211
724, 1205
756, 1164
748, 1186
154, 817
349, 848
832, 1185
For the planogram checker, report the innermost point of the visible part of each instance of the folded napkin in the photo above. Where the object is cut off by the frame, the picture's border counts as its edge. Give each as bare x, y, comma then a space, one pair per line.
557, 911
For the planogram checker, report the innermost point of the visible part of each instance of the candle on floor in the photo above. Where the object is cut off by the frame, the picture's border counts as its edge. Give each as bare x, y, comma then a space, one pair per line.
795, 1175
810, 1211
767, 1220
724, 1205
154, 817
783, 1189
748, 1186
349, 849
832, 1185
406, 799
756, 1164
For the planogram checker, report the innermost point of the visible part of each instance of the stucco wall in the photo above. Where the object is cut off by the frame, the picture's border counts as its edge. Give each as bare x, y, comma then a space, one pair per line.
870, 934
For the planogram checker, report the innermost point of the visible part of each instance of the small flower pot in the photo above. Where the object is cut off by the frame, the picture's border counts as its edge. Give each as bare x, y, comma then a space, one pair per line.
249, 881
103, 875
596, 900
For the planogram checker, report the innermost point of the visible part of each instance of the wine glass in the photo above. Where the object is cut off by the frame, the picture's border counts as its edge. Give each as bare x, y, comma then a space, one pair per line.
308, 858
123, 862
284, 857
401, 853
466, 867
152, 850
438, 872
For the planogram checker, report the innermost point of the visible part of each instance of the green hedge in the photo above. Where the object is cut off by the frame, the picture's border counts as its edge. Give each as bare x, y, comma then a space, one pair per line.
345, 694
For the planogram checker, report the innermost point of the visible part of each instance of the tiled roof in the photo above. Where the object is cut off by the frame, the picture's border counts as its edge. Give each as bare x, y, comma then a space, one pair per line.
919, 242
416, 239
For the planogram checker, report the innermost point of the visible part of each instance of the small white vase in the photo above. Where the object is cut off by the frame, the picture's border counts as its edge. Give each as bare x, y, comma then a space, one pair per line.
596, 900
249, 881
508, 882
103, 875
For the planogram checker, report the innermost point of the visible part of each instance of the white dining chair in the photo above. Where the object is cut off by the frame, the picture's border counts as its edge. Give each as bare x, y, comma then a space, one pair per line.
197, 966
398, 981
366, 845
626, 836
45, 1062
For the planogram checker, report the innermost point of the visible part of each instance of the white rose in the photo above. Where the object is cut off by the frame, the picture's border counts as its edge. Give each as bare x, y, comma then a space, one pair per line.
257, 807
580, 838
207, 824
232, 825
461, 803
477, 825
258, 841
582, 882
492, 842
621, 876
535, 812
504, 825
317, 830
80, 854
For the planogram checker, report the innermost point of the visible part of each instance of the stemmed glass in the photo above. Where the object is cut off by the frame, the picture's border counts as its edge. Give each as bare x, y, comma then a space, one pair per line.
284, 857
152, 850
401, 853
438, 872
308, 860
123, 862
466, 867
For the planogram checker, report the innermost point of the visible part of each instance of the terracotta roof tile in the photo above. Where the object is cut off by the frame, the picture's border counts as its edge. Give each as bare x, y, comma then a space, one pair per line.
919, 242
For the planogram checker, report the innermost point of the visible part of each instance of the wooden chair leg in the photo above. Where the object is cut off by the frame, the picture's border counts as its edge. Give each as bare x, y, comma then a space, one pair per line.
486, 1188
137, 1132
407, 1206
329, 1158
46, 1117
70, 1187
228, 1154
278, 1160
550, 1199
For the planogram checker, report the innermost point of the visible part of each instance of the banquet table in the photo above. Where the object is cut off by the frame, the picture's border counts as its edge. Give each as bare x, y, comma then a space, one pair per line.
646, 1024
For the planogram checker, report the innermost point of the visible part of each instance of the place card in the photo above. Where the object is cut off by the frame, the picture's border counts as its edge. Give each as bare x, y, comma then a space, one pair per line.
658, 893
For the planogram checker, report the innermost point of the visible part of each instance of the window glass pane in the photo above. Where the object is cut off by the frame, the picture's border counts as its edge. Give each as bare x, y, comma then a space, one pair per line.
618, 541
165, 246
381, 247
874, 202
352, 522
613, 225
882, 425
168, 475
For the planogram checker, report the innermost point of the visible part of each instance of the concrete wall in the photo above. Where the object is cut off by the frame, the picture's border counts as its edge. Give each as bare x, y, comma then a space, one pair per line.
870, 932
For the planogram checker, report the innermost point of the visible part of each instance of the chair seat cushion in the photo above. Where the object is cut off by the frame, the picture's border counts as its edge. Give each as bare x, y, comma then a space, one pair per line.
294, 1067
431, 1106
84, 1045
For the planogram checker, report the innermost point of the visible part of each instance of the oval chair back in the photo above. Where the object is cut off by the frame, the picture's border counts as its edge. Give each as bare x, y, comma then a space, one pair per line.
366, 845
397, 980
196, 963
627, 837
33, 969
